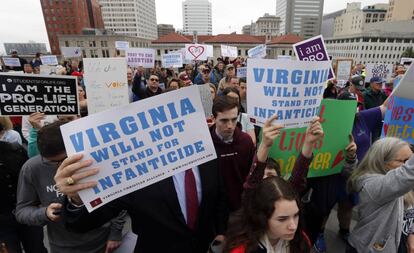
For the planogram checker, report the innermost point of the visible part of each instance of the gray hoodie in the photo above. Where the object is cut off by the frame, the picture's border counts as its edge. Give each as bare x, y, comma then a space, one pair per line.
381, 209
36, 190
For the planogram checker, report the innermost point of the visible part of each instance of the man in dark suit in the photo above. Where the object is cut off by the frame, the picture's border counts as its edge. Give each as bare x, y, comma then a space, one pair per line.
160, 213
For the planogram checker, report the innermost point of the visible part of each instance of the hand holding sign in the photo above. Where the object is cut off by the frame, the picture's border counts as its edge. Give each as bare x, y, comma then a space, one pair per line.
351, 148
69, 169
313, 134
269, 135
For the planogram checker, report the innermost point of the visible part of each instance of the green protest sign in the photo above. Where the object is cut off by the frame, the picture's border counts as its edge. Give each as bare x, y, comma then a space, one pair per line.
337, 118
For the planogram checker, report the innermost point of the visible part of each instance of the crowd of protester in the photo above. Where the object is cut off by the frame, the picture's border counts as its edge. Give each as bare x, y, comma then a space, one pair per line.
239, 202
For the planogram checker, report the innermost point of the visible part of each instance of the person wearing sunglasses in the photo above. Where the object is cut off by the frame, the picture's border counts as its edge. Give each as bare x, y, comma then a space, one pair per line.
153, 86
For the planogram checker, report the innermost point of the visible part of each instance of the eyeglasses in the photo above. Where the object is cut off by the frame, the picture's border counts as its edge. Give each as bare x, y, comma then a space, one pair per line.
206, 71
154, 80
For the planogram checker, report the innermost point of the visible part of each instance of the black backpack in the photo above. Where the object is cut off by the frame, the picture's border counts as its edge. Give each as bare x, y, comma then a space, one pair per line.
12, 158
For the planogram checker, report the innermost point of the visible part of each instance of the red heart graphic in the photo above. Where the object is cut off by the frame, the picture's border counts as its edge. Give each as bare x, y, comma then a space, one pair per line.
196, 51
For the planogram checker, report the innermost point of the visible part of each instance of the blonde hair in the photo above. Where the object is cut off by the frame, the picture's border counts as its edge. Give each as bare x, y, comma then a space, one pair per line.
6, 123
381, 152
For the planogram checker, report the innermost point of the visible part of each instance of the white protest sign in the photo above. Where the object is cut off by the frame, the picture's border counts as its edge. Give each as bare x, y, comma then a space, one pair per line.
228, 51
144, 57
241, 72
406, 60
291, 89
47, 70
343, 69
106, 83
196, 52
11, 62
405, 88
70, 52
172, 60
49, 60
284, 57
121, 45
257, 52
210, 52
140, 144
206, 99
382, 70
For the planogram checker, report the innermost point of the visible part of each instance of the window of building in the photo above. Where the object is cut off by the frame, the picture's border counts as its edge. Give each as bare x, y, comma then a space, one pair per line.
92, 43
104, 43
158, 52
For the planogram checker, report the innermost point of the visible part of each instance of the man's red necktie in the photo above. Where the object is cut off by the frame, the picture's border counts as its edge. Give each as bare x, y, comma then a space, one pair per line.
191, 199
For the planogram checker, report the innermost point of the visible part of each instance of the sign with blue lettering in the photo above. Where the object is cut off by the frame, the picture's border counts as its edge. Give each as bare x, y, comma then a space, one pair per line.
141, 143
291, 89
172, 60
241, 72
49, 60
257, 52
398, 120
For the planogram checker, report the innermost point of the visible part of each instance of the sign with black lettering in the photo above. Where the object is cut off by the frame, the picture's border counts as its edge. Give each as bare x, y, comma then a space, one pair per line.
23, 94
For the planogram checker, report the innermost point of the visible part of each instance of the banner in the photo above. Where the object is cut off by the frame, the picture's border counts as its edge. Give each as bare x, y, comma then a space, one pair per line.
241, 72
398, 120
144, 57
382, 70
122, 45
229, 51
206, 99
172, 60
106, 83
196, 52
49, 60
210, 51
329, 153
313, 49
257, 52
11, 62
291, 89
71, 52
24, 94
140, 144
343, 69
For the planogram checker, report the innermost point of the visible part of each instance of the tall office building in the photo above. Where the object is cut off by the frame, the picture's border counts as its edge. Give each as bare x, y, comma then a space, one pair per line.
69, 17
164, 29
302, 17
400, 10
197, 17
130, 17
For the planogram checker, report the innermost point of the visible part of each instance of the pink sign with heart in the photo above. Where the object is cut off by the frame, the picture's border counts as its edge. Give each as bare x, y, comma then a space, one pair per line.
196, 51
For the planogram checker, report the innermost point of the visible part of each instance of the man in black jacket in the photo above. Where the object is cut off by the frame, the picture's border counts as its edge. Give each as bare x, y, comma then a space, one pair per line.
158, 212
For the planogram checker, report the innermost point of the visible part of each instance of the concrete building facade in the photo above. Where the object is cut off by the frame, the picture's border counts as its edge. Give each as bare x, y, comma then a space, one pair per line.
328, 23
30, 48
380, 42
69, 17
197, 17
101, 45
400, 10
303, 17
353, 20
268, 25
164, 29
130, 17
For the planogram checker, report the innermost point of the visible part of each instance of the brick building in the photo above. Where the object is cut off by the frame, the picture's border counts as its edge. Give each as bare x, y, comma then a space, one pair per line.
69, 17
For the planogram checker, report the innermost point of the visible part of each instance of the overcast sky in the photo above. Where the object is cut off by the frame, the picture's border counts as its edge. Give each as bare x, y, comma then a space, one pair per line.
22, 20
